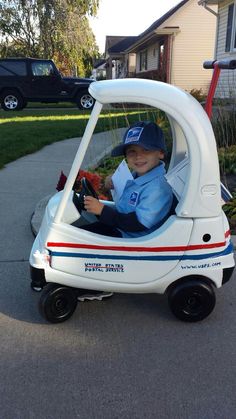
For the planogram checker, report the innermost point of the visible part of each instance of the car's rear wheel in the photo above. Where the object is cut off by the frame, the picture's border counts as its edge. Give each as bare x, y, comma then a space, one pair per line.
191, 300
84, 100
11, 100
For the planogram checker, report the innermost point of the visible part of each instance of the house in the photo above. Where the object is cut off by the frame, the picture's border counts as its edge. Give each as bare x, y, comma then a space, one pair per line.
172, 49
99, 70
225, 46
119, 63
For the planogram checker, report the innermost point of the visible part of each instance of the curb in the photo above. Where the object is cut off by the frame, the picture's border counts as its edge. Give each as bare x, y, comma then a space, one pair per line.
37, 216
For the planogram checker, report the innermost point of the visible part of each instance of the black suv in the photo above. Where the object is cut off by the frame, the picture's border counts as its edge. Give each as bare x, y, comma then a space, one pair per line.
25, 80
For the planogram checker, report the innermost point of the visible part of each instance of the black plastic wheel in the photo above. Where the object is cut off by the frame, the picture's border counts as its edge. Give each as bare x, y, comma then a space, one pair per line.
57, 303
11, 100
84, 100
191, 301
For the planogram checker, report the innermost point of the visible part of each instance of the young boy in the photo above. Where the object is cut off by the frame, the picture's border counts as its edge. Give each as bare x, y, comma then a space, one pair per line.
145, 202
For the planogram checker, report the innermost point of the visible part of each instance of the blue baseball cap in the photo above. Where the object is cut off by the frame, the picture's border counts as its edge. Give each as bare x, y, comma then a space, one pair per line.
145, 134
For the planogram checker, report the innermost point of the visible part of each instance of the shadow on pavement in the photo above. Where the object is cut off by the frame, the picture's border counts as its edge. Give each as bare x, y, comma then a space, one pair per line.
19, 301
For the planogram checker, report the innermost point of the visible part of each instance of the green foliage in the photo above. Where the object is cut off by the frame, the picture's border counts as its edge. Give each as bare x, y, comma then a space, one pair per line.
230, 211
198, 94
230, 207
227, 160
224, 127
108, 165
49, 29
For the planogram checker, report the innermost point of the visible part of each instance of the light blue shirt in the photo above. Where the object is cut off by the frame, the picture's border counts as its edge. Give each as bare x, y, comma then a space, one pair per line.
150, 196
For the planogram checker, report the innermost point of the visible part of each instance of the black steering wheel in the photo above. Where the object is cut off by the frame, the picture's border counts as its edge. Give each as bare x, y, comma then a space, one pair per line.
86, 190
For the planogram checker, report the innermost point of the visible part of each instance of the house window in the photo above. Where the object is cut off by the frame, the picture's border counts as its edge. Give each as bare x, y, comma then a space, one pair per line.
230, 42
143, 61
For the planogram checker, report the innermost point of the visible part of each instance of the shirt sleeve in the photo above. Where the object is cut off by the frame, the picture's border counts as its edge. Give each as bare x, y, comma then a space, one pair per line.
126, 222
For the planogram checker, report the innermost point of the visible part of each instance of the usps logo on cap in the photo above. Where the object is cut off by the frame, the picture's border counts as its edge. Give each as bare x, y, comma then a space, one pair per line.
133, 135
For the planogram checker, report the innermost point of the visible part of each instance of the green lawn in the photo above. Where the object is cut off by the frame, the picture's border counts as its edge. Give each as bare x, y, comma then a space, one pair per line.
29, 130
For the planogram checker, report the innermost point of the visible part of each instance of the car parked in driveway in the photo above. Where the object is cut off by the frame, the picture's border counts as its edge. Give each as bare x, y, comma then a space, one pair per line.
24, 80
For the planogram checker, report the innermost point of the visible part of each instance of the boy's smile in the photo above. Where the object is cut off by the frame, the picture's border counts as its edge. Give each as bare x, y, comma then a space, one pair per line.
142, 160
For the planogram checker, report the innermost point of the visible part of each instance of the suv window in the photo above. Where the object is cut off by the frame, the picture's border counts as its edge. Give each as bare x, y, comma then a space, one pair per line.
13, 68
42, 69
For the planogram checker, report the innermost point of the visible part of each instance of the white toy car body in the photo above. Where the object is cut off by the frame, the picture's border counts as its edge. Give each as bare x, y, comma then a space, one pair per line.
188, 256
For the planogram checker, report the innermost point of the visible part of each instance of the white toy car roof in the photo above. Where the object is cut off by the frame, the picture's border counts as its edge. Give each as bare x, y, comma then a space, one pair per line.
192, 133
193, 142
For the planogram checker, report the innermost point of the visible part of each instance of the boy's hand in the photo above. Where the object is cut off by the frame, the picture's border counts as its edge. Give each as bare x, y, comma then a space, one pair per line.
93, 205
108, 183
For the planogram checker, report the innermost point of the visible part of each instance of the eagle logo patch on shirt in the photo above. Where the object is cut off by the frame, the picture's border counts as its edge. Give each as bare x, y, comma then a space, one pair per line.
133, 198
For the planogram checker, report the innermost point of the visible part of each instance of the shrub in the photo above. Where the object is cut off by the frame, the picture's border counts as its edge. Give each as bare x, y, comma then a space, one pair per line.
96, 180
198, 94
108, 165
230, 211
227, 160
224, 126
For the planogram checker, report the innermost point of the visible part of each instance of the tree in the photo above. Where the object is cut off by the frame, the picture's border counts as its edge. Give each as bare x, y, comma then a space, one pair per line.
56, 29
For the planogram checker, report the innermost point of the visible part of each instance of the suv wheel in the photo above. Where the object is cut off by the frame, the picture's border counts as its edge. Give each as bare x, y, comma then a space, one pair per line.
11, 100
84, 100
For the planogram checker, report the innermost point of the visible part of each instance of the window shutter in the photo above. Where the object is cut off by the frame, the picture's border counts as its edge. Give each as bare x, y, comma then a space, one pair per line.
229, 27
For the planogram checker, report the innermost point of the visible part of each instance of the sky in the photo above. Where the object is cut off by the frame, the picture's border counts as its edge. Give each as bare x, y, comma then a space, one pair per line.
126, 17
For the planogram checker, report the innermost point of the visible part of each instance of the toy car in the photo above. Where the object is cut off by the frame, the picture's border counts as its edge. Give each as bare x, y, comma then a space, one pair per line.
187, 257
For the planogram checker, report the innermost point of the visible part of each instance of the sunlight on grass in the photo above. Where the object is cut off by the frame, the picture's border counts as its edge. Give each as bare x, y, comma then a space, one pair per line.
64, 117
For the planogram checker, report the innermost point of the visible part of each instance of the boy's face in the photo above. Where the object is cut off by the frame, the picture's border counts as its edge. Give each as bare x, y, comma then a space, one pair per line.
141, 160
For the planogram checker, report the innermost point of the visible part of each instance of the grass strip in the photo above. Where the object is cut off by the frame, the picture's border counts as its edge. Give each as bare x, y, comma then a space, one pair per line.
26, 132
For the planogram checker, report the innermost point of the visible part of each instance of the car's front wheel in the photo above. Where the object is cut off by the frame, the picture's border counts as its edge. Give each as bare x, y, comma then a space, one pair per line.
84, 100
57, 303
11, 100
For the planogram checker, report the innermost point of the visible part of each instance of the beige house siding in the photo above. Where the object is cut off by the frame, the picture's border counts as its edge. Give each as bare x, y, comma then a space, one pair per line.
227, 82
186, 38
191, 46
